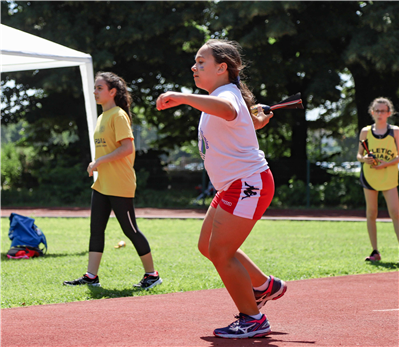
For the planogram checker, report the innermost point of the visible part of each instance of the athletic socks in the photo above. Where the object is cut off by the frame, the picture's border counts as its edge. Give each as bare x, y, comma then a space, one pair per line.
155, 273
257, 316
264, 286
90, 275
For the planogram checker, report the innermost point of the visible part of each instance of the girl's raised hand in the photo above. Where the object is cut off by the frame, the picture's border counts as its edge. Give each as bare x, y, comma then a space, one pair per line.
169, 100
261, 119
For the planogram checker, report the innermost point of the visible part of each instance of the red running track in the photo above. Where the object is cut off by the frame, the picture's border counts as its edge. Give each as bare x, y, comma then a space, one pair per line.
360, 310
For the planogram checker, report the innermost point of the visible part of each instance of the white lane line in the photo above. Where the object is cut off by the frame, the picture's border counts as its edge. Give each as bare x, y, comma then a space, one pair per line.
392, 309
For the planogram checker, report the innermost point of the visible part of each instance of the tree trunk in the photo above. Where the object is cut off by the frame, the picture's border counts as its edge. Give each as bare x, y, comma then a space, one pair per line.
371, 84
298, 144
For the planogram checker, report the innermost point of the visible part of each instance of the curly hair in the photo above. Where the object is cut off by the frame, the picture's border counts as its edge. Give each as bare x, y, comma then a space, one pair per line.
122, 98
382, 100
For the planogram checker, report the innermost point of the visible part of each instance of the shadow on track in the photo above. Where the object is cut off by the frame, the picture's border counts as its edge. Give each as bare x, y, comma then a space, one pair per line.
269, 341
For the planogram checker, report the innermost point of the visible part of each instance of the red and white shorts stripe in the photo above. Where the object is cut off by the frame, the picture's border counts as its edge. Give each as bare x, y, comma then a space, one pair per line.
247, 198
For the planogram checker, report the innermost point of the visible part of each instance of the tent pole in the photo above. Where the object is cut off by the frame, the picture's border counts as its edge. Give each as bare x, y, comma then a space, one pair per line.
86, 71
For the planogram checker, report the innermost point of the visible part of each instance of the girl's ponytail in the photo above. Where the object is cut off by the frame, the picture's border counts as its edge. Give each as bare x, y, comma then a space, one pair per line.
246, 93
229, 52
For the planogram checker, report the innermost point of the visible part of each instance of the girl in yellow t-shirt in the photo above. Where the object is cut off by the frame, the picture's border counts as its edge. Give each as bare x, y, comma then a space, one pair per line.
115, 186
380, 169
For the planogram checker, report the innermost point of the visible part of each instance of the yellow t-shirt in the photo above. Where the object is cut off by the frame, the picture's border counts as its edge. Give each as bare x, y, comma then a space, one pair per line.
115, 178
384, 148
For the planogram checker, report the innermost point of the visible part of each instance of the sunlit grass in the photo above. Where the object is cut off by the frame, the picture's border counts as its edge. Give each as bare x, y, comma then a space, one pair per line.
291, 250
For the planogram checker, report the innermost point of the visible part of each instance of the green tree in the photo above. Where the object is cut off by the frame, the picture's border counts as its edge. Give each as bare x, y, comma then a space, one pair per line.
306, 46
290, 46
288, 53
11, 168
372, 55
150, 44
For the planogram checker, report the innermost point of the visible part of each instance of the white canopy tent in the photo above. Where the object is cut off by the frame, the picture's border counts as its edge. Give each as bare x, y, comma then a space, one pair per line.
22, 51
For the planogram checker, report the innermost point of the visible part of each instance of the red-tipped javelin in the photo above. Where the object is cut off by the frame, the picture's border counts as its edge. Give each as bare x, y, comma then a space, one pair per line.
294, 101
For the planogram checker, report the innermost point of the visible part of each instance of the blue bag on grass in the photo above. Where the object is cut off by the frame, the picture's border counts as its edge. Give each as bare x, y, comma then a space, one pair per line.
23, 232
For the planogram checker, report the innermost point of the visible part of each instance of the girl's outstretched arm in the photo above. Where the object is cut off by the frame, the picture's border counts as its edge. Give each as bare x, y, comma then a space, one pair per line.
213, 105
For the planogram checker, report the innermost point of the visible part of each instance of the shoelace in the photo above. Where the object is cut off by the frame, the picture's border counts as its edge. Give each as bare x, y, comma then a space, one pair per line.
239, 318
235, 323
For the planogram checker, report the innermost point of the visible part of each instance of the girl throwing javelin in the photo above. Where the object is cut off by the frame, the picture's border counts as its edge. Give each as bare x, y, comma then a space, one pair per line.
115, 186
381, 172
240, 173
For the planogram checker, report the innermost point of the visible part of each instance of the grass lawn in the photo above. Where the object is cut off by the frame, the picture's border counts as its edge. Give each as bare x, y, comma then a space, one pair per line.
291, 250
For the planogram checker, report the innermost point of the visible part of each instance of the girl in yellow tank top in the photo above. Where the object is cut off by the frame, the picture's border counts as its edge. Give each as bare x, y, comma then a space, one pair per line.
380, 169
384, 149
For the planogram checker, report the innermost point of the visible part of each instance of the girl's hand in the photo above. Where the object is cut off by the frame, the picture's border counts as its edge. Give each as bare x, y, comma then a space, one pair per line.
261, 119
92, 167
380, 165
169, 100
369, 160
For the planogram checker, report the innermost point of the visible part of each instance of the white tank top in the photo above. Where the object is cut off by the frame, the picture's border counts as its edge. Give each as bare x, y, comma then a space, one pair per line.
230, 149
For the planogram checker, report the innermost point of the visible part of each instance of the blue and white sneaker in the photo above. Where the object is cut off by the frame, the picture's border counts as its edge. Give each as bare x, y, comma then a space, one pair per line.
275, 290
245, 326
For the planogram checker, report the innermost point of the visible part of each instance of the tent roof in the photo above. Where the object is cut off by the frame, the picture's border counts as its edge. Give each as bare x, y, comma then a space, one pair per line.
22, 51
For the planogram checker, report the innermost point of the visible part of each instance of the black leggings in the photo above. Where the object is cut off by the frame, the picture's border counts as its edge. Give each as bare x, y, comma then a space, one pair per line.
101, 206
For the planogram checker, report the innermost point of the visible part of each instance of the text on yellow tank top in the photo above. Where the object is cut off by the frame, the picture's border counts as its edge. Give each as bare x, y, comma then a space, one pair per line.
384, 148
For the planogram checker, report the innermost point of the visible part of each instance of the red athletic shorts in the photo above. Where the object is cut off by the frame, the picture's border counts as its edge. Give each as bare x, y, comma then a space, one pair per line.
249, 197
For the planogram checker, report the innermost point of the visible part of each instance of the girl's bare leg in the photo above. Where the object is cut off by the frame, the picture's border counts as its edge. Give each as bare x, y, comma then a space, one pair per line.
228, 234
148, 263
371, 197
392, 199
257, 276
94, 262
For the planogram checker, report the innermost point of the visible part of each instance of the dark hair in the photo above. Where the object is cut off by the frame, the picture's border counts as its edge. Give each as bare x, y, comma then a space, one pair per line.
122, 98
229, 52
384, 101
